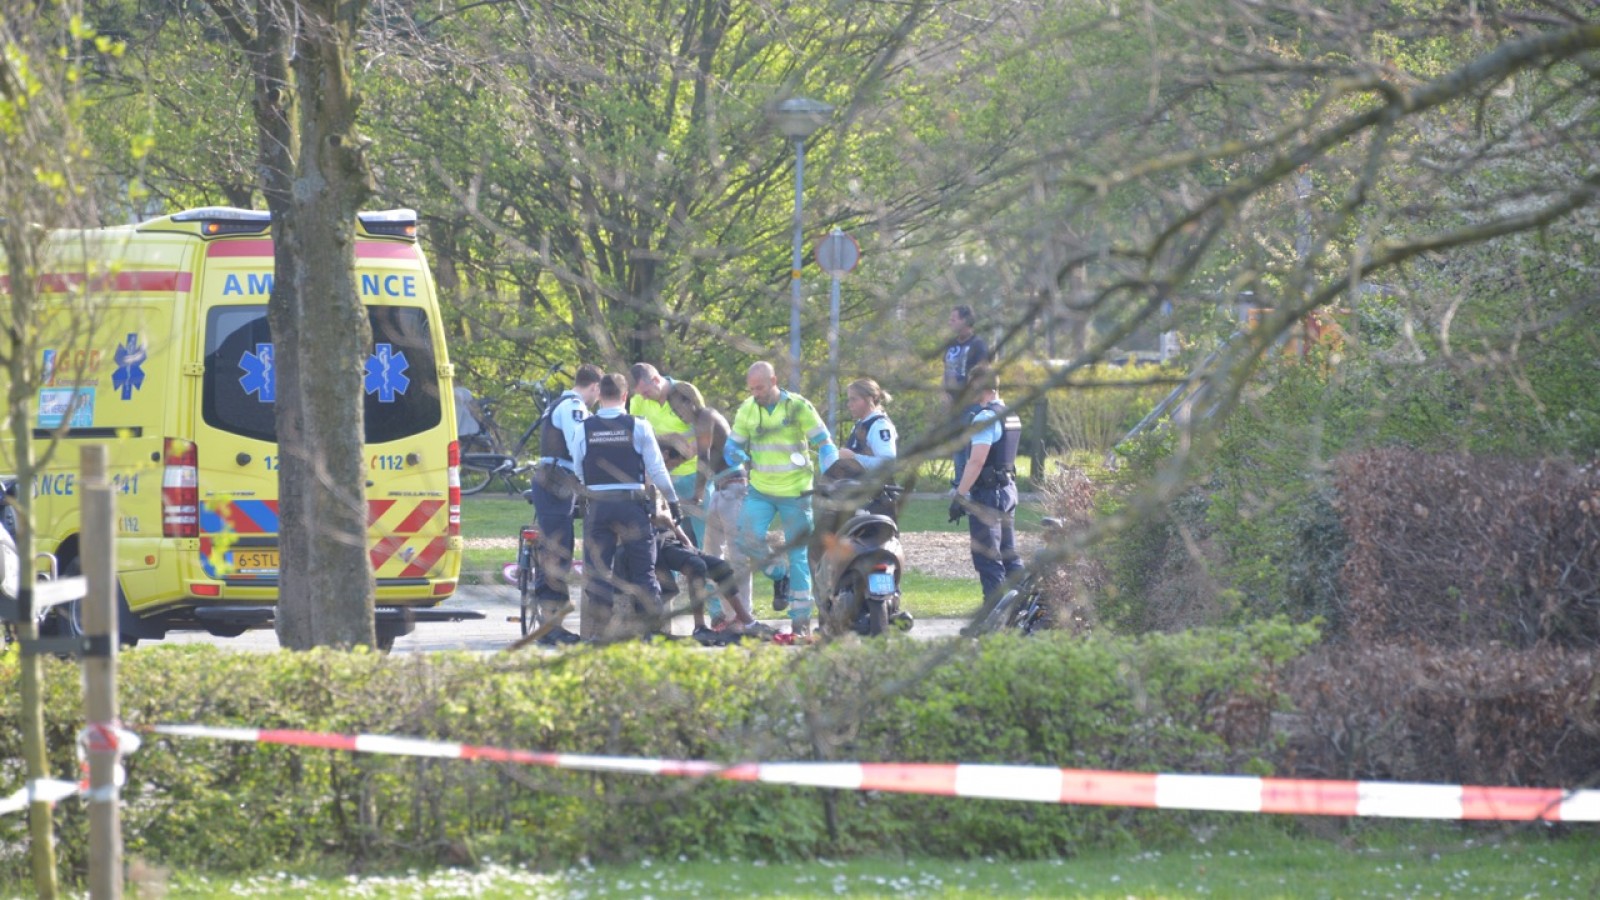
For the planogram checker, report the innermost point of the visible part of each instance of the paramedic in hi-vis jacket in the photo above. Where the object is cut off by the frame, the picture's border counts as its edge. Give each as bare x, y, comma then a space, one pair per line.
775, 431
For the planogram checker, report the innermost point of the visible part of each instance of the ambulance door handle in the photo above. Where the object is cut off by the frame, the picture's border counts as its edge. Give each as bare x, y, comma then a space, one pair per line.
369, 483
242, 459
413, 459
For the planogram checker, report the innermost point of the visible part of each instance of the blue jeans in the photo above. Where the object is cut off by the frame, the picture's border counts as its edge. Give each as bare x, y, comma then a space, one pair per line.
795, 512
991, 523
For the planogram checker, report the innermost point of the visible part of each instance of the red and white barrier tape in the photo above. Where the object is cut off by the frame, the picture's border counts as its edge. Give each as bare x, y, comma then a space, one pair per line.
104, 737
1040, 784
49, 790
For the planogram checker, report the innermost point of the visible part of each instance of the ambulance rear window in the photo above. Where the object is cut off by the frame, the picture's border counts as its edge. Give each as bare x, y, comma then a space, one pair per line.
401, 380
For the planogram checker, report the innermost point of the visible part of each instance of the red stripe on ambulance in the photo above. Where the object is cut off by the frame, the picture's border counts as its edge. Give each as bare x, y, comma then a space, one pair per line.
118, 283
423, 562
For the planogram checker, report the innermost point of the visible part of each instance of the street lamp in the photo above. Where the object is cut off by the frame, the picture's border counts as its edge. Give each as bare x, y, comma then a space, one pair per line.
798, 118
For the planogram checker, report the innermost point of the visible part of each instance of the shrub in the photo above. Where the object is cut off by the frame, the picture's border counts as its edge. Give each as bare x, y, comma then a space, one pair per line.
1197, 701
1479, 715
1076, 577
1460, 550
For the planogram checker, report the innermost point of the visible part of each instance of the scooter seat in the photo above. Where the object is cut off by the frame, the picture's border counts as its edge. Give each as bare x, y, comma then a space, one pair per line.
869, 526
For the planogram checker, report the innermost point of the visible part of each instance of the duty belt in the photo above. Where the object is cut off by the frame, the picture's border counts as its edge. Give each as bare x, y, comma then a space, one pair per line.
633, 496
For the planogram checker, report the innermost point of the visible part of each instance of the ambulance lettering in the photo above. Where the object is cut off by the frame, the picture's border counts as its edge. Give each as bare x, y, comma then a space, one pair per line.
255, 284
389, 285
54, 485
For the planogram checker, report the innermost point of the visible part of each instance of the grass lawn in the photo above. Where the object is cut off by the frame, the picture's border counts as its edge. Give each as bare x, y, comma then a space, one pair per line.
494, 516
1402, 860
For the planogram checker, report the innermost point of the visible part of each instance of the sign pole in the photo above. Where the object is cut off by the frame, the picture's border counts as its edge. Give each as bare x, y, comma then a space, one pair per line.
837, 254
833, 356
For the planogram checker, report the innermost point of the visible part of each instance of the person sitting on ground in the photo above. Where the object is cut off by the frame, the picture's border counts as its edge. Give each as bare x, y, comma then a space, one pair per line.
674, 553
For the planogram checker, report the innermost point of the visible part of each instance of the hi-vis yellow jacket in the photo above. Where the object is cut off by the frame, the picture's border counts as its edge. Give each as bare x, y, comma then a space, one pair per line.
779, 443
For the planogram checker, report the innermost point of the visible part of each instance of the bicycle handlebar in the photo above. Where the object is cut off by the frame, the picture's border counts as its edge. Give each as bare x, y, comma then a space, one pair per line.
543, 381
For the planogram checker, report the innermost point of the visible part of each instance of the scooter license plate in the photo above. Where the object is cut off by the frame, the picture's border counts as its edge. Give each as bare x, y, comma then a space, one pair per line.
880, 582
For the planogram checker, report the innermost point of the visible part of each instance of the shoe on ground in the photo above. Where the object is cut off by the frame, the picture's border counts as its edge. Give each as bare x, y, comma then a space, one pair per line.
557, 637
710, 637
759, 631
780, 594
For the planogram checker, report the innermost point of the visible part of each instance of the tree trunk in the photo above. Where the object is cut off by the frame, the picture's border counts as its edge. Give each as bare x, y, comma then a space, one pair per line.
315, 179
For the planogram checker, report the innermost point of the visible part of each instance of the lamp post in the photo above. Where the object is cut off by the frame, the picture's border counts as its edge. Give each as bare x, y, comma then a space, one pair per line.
798, 118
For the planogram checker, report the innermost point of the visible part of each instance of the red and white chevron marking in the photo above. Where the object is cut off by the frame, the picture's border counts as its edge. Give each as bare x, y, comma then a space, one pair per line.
1039, 784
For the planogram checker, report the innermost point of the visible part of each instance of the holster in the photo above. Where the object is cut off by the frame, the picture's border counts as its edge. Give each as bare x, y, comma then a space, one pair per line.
990, 479
557, 480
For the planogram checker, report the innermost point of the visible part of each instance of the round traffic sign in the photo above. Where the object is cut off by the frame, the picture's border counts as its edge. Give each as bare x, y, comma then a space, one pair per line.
838, 253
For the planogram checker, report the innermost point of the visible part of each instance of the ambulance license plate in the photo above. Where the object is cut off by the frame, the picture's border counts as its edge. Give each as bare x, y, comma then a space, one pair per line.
880, 582
255, 562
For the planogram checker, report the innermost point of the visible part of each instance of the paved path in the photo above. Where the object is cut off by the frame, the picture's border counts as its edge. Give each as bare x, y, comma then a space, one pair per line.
496, 631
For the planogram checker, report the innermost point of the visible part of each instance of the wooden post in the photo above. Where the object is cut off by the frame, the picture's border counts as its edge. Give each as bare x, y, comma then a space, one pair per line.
98, 557
1041, 436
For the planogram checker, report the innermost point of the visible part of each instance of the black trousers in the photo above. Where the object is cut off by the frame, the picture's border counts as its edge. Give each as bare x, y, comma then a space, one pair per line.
697, 568
553, 512
619, 551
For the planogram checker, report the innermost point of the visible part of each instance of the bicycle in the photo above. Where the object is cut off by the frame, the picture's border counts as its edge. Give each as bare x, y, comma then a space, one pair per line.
479, 469
1024, 608
527, 576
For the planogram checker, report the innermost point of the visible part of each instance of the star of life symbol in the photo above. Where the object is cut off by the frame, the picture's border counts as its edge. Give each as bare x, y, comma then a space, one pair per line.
386, 373
260, 377
129, 376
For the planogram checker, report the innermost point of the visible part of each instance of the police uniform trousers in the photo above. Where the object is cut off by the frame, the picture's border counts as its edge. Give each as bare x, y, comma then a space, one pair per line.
991, 523
555, 505
619, 551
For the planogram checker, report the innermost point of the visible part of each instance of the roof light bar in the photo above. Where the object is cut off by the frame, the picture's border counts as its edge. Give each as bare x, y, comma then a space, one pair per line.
390, 223
219, 220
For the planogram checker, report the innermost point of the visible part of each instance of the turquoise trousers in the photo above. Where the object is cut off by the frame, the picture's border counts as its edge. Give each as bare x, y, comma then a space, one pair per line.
795, 514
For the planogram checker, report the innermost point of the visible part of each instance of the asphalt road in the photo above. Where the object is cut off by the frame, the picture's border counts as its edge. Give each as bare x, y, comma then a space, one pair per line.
496, 631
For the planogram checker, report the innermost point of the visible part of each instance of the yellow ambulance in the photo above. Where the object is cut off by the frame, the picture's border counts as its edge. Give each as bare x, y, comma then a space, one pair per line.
154, 341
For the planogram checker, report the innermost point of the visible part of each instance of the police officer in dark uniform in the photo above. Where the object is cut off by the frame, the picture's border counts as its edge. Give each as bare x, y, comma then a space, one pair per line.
554, 496
616, 455
987, 492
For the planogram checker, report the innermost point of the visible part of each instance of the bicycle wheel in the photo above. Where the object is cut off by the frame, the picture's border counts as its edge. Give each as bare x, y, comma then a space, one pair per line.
474, 479
1004, 611
528, 616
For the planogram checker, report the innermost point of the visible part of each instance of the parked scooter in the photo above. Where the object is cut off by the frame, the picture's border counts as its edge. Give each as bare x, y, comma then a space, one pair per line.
856, 558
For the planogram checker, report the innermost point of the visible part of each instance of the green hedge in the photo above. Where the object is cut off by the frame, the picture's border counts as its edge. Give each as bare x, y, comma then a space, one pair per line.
1187, 702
